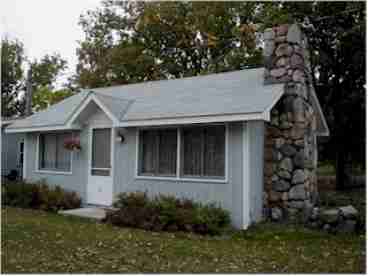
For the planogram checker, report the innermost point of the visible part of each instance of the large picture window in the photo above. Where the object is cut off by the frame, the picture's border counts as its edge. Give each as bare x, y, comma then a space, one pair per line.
53, 156
201, 148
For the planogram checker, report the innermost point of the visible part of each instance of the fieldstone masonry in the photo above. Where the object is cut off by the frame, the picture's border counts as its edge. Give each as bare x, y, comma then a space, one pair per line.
334, 220
290, 144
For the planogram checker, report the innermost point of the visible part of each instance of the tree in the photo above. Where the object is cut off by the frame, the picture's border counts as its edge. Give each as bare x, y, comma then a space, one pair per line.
45, 72
12, 82
44, 76
45, 97
336, 33
137, 41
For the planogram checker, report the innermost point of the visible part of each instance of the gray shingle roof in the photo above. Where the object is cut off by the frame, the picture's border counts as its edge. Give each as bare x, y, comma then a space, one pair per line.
226, 93
55, 115
238, 92
116, 106
9, 120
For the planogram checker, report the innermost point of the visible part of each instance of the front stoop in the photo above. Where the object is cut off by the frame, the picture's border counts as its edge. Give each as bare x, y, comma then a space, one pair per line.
95, 213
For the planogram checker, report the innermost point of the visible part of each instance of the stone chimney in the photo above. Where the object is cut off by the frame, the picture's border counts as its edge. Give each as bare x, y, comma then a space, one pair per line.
290, 145
29, 93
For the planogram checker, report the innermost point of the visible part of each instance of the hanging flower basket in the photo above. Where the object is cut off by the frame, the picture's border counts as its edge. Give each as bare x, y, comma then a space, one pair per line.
72, 144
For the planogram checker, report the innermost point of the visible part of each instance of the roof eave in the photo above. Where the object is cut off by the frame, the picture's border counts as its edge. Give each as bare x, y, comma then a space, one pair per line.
325, 131
5, 123
260, 116
42, 129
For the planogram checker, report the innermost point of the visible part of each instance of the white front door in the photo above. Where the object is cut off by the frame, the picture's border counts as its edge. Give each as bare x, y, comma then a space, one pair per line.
100, 178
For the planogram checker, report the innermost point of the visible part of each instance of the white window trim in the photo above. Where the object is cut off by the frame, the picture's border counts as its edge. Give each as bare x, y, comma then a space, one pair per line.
38, 170
19, 152
178, 157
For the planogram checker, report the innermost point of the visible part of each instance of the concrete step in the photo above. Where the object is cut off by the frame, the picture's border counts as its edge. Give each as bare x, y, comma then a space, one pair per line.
96, 213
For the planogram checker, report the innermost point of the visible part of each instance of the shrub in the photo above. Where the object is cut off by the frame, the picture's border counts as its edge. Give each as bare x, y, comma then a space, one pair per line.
135, 210
16, 194
38, 196
167, 213
211, 219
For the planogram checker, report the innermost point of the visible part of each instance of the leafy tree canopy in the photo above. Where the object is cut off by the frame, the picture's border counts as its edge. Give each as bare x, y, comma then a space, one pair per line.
44, 97
137, 41
12, 59
45, 72
44, 76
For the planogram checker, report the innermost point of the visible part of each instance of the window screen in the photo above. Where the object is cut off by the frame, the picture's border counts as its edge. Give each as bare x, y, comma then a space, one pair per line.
101, 148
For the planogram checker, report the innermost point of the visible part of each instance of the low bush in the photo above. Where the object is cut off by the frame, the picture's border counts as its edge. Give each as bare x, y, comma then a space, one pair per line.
38, 196
167, 213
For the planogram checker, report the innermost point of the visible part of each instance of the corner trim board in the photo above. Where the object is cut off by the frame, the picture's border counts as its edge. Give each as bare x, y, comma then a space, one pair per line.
24, 173
246, 176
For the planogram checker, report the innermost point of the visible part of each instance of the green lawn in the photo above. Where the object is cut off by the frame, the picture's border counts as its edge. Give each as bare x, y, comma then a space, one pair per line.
34, 241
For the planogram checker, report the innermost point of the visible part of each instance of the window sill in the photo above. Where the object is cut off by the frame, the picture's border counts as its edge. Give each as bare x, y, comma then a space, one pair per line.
53, 172
183, 179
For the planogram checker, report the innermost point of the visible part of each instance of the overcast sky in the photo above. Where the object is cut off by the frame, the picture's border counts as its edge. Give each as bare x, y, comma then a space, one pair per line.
45, 26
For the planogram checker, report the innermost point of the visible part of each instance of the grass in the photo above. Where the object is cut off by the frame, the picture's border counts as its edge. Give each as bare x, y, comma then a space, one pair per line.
327, 169
39, 242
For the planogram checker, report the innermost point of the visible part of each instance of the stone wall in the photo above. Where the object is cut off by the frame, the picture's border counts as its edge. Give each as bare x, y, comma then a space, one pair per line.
290, 142
343, 219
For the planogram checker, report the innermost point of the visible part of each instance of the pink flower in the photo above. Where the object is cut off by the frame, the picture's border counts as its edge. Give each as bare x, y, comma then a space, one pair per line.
72, 144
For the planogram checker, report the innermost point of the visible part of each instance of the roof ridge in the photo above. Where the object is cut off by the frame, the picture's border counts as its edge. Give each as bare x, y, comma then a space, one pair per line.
165, 80
109, 96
